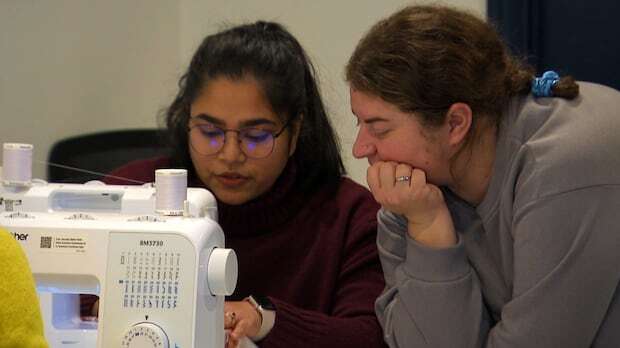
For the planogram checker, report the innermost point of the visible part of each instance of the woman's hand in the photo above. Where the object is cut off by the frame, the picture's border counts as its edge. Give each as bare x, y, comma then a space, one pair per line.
403, 190
241, 319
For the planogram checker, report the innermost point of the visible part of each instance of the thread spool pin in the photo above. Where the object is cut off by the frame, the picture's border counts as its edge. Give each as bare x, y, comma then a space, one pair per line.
17, 164
170, 191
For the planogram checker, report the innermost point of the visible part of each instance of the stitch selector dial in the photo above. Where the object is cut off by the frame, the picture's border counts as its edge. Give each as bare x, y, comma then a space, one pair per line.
145, 335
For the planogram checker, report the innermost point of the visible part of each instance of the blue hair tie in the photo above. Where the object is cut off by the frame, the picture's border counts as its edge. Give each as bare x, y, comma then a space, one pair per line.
541, 86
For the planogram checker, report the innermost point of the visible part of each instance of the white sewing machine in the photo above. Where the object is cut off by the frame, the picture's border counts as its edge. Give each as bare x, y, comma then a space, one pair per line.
158, 265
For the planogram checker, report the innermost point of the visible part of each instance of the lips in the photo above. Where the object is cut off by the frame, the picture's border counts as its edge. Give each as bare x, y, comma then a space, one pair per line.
231, 179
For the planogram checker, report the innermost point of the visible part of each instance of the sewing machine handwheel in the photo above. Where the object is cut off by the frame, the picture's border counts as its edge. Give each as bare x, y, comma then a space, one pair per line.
145, 335
222, 272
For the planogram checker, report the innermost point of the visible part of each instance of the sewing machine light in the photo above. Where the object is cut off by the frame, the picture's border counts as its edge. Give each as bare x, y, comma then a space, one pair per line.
17, 164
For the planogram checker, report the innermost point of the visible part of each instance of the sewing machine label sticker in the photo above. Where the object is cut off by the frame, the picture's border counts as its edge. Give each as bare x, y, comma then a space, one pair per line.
70, 243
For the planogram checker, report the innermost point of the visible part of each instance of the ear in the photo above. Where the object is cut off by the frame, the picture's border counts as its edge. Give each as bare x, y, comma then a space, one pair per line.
458, 122
295, 130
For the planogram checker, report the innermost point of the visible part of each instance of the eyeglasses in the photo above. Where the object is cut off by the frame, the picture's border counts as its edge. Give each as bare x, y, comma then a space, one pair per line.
208, 139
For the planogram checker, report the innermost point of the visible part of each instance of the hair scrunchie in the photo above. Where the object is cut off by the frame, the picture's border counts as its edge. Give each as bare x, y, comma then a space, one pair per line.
541, 86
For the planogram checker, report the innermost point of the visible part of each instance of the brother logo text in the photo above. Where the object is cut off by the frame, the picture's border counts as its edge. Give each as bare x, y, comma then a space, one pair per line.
20, 236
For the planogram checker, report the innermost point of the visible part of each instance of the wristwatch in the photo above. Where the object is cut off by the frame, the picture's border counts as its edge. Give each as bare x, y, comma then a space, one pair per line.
267, 312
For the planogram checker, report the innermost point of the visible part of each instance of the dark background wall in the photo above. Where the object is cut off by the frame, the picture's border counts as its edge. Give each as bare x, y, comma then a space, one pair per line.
572, 37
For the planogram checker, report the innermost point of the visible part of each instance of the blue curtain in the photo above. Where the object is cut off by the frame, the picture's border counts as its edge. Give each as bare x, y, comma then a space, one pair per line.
572, 37
518, 22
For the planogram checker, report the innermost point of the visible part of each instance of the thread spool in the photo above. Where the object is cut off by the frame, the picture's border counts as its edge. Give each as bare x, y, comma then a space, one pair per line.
170, 191
17, 164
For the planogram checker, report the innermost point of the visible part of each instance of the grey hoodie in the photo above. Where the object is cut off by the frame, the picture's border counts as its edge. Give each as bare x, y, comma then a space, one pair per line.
537, 263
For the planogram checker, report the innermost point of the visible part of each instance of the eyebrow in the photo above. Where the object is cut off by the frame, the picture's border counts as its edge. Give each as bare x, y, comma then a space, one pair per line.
249, 123
375, 120
371, 120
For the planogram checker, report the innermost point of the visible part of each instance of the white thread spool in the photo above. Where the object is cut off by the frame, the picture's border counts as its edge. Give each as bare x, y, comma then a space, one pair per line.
17, 164
170, 191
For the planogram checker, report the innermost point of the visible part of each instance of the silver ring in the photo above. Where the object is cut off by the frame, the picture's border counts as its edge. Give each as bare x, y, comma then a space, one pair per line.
403, 178
232, 316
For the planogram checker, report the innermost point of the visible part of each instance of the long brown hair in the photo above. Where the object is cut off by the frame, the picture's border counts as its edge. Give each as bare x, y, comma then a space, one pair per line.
425, 58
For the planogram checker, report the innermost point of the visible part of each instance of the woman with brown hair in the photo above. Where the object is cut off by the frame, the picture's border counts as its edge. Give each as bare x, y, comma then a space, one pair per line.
499, 190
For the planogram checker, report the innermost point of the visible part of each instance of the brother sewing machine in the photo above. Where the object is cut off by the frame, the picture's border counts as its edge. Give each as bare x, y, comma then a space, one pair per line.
154, 255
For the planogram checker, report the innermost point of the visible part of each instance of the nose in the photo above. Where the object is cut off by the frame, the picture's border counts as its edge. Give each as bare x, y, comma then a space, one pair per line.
363, 146
231, 150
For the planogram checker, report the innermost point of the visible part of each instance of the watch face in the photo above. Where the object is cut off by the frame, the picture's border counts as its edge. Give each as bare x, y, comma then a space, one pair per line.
264, 302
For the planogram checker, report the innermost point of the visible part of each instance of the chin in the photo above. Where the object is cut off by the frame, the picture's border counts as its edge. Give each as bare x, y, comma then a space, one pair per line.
232, 199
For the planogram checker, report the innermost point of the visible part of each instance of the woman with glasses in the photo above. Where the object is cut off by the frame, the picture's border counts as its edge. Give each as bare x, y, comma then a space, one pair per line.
249, 124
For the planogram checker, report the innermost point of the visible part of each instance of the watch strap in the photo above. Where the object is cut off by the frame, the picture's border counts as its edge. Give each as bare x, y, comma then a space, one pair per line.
268, 319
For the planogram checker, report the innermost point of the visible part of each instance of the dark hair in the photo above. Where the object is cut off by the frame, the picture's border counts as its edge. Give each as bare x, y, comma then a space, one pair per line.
267, 52
425, 58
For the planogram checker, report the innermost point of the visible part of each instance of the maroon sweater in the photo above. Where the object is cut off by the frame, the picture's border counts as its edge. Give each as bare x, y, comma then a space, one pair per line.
315, 257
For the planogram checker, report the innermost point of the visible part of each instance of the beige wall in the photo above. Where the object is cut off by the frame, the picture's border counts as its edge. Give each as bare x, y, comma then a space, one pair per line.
69, 66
